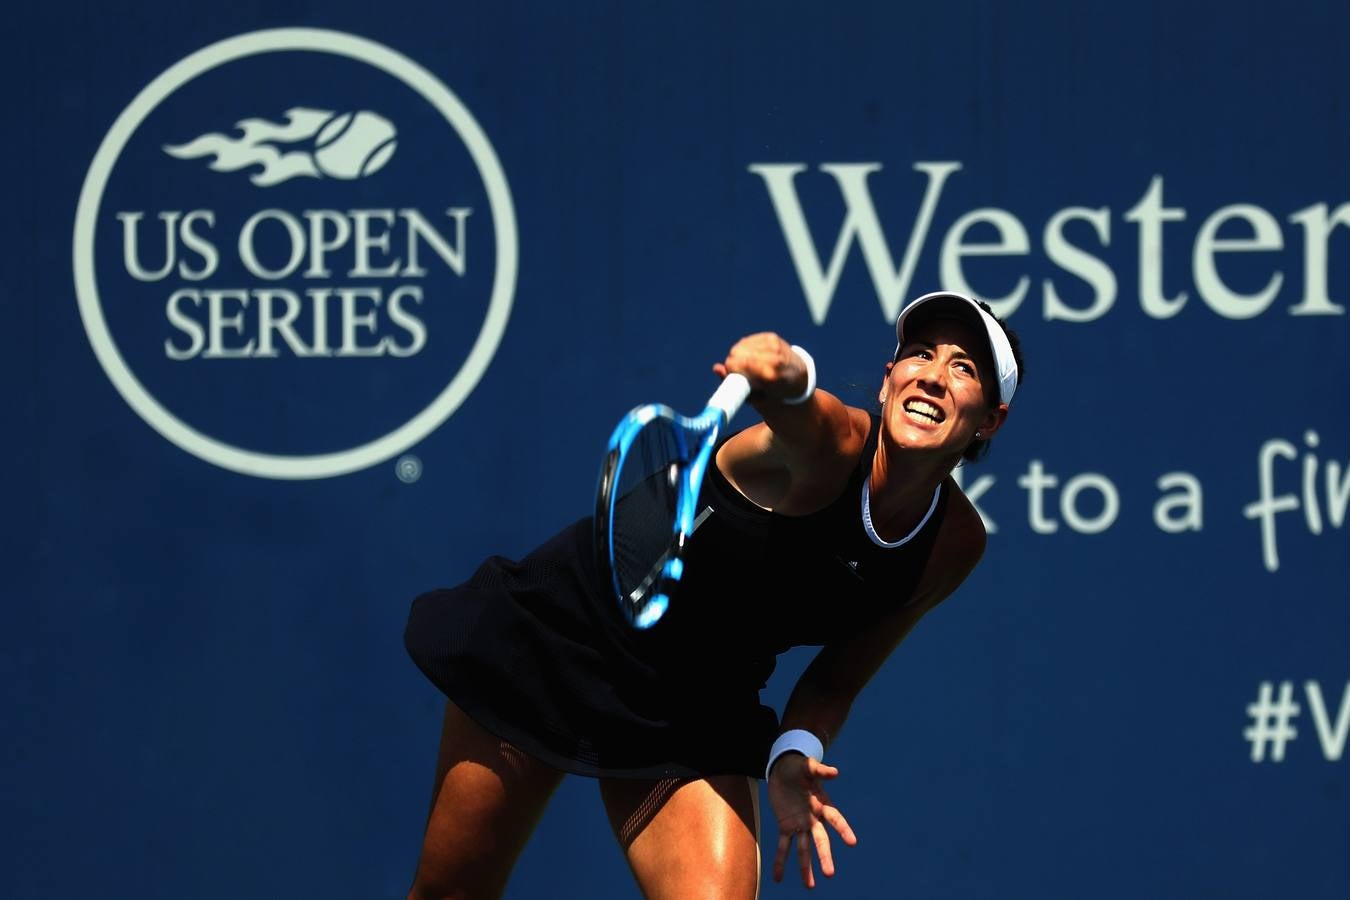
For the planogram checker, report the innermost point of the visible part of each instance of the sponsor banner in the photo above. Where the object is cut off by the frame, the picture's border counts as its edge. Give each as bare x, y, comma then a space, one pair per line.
313, 310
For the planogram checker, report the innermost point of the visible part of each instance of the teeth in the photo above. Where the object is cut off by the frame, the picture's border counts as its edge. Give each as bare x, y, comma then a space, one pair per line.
922, 408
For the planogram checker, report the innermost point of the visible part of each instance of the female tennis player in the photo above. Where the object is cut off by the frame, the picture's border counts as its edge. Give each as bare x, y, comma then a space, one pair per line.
829, 526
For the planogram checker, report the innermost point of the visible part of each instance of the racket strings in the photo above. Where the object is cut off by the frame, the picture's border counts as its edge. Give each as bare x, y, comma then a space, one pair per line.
647, 491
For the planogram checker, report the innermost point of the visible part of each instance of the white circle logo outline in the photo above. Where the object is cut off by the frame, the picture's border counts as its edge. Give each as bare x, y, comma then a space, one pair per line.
325, 465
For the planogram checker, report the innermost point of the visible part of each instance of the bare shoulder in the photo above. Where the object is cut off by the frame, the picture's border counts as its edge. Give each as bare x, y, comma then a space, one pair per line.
958, 549
962, 524
797, 467
860, 425
817, 476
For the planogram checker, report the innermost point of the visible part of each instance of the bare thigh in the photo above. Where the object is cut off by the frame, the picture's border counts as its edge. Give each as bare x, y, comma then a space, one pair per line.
487, 799
688, 839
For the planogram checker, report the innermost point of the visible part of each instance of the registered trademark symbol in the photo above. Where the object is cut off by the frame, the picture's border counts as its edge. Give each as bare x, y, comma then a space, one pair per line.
408, 468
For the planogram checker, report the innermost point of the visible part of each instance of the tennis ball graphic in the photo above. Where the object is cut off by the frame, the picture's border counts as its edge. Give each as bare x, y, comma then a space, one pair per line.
353, 145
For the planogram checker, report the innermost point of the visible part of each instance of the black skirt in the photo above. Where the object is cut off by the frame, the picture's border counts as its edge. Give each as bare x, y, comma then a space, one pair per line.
534, 652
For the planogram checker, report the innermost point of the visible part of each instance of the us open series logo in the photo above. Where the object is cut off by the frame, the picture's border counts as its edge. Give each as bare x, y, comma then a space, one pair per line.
295, 253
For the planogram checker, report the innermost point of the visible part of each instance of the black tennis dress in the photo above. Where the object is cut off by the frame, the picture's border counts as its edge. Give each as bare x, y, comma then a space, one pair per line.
538, 653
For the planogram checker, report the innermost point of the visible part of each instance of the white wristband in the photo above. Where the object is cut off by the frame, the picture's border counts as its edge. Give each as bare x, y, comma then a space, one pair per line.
797, 740
810, 377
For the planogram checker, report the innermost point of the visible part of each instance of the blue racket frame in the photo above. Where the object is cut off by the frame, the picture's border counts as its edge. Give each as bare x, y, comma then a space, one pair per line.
696, 437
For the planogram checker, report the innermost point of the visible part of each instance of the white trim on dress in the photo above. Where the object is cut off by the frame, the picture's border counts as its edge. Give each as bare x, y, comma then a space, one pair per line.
867, 516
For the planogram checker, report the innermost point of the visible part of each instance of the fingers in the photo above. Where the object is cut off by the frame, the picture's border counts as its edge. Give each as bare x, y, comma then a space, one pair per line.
822, 839
767, 361
817, 769
802, 837
806, 836
836, 820
824, 809
804, 860
780, 858
804, 810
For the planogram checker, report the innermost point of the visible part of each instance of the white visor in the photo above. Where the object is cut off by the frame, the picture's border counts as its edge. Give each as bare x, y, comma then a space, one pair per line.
964, 309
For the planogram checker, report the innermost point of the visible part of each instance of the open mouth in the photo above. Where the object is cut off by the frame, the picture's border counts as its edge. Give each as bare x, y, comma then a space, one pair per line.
923, 411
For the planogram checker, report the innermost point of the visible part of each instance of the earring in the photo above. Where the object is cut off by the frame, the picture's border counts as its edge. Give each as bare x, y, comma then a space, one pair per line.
978, 435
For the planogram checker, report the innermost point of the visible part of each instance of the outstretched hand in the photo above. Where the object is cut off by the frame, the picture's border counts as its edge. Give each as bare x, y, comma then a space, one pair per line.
768, 363
803, 810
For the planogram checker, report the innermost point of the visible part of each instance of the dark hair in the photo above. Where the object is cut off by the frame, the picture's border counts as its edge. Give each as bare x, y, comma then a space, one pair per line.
978, 449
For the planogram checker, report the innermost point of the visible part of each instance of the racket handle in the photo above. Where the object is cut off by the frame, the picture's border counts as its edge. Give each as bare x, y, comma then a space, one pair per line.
730, 395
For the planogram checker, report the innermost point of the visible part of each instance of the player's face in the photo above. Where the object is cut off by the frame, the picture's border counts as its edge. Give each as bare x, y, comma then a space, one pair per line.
937, 392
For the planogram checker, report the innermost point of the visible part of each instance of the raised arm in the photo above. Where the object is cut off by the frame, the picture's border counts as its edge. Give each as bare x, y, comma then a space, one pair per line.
800, 455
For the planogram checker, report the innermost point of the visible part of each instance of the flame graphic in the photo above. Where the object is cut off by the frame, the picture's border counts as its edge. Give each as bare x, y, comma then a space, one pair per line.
323, 144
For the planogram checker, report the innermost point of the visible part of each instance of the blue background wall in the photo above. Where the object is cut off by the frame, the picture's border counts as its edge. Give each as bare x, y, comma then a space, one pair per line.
204, 688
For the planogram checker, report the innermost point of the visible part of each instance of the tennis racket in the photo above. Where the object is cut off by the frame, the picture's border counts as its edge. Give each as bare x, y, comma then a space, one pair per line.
645, 505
